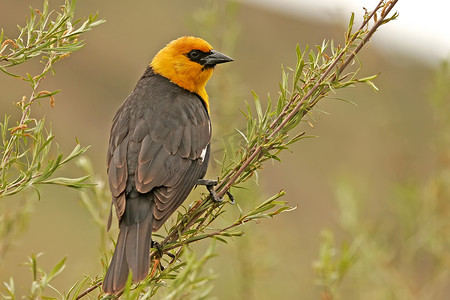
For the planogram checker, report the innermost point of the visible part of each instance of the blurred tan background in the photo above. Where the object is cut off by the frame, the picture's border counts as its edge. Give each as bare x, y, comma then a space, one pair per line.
385, 139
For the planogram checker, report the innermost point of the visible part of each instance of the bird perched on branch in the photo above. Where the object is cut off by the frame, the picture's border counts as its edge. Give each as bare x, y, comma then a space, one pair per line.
158, 150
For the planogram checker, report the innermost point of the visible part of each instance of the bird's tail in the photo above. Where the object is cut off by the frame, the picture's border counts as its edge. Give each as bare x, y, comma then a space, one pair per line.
133, 245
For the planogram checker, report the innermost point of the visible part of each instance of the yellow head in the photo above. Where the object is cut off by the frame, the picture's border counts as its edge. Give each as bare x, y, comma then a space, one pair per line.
188, 62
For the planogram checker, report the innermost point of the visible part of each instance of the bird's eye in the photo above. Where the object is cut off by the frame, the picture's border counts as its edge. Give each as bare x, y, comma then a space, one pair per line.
194, 54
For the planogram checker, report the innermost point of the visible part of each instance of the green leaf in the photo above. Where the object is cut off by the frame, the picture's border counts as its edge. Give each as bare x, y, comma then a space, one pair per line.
234, 233
258, 106
282, 209
57, 269
2, 34
10, 286
78, 182
298, 68
219, 239
257, 217
284, 84
77, 151
368, 80
350, 27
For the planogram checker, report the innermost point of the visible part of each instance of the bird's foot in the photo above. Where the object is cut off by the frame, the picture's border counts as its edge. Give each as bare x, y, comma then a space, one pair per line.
210, 184
158, 248
207, 182
231, 197
159, 255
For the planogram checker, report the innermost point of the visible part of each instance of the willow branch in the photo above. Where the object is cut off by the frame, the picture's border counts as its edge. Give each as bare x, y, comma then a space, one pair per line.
231, 179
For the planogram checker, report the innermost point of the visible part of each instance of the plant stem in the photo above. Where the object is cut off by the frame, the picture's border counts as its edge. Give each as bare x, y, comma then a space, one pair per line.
231, 179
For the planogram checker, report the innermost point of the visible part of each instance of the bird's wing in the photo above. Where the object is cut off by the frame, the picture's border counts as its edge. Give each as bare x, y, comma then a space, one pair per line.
172, 153
116, 161
163, 149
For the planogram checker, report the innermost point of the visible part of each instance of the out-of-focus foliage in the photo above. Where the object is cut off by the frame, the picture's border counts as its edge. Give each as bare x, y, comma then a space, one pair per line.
402, 253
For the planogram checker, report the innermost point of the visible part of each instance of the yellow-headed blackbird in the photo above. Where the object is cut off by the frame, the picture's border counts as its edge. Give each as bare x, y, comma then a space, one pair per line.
158, 149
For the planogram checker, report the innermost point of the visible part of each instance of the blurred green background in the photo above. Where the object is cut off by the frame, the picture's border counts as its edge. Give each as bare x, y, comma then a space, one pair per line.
374, 149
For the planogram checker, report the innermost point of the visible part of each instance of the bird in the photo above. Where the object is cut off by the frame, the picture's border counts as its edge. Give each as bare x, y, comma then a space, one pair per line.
159, 148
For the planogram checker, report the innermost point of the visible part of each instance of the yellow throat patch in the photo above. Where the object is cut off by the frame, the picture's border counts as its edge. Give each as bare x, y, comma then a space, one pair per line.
172, 63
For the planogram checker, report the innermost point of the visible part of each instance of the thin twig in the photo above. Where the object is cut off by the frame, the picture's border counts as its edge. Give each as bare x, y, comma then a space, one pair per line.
87, 291
26, 112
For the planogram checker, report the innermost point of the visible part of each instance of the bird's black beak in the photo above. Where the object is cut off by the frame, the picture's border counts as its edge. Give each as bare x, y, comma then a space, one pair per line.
214, 58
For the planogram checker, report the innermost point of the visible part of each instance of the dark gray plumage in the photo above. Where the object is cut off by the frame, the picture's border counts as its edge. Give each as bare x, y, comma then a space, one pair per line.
158, 149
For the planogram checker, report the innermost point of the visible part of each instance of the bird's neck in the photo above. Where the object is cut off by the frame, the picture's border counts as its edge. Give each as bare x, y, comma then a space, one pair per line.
190, 79
202, 93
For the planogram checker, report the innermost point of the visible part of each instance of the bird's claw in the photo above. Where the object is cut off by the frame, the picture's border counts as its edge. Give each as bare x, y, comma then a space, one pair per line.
231, 197
158, 248
213, 194
160, 253
210, 184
